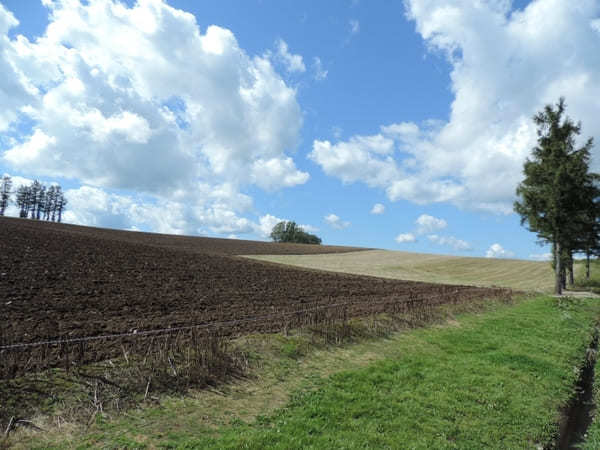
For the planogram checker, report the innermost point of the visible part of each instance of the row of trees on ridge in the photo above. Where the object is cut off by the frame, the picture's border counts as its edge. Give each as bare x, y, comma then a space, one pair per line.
35, 201
559, 198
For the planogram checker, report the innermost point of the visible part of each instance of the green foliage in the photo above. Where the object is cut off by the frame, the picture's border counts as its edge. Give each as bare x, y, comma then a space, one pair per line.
558, 198
41, 203
592, 439
291, 232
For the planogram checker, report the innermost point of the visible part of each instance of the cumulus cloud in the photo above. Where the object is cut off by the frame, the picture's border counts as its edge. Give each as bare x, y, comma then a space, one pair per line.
503, 70
378, 208
405, 238
292, 62
113, 106
93, 206
319, 72
275, 173
336, 222
266, 224
427, 224
362, 158
497, 251
450, 241
15, 90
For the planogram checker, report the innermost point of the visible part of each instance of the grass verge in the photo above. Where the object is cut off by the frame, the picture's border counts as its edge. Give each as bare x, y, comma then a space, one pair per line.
593, 284
592, 439
485, 380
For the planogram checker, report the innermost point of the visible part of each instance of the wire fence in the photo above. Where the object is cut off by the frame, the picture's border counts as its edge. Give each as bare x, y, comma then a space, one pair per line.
406, 300
21, 357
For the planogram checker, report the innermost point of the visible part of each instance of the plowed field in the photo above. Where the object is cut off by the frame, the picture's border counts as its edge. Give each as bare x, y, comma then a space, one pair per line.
59, 281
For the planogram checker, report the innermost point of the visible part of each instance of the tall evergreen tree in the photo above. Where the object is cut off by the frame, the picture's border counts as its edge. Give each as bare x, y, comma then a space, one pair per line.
5, 191
23, 201
50, 202
61, 203
34, 197
41, 202
550, 199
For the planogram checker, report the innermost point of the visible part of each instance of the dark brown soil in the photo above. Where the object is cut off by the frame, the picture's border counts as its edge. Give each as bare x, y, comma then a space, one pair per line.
59, 281
193, 244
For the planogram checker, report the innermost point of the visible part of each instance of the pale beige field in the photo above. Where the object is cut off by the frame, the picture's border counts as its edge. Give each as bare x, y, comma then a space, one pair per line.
514, 273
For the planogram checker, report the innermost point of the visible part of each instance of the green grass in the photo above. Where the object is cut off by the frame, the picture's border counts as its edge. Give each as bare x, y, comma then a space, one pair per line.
592, 441
494, 380
593, 284
513, 273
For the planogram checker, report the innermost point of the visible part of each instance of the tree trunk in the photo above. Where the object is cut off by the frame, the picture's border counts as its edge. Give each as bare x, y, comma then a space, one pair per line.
571, 275
587, 266
557, 269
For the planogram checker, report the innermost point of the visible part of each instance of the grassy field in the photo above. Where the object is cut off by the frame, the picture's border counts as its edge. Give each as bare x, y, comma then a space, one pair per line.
592, 441
517, 274
494, 380
593, 284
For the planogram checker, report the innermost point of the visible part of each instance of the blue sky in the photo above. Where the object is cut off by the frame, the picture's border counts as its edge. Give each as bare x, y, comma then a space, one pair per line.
221, 118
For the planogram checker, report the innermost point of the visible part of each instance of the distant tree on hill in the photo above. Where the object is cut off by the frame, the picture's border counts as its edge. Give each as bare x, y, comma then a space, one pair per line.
34, 198
22, 201
59, 205
5, 191
291, 232
50, 203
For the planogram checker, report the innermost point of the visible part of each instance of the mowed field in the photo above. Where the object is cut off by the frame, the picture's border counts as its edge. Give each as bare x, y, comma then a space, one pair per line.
63, 281
513, 273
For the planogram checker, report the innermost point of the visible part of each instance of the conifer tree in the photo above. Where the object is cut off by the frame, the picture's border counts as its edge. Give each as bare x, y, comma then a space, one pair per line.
50, 202
549, 197
61, 203
5, 191
22, 200
34, 192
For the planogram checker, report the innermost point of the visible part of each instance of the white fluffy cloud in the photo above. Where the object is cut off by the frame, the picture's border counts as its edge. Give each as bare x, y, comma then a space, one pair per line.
93, 206
505, 67
15, 89
405, 238
292, 62
114, 106
378, 208
266, 224
336, 222
96, 207
427, 224
449, 241
362, 158
497, 251
319, 72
